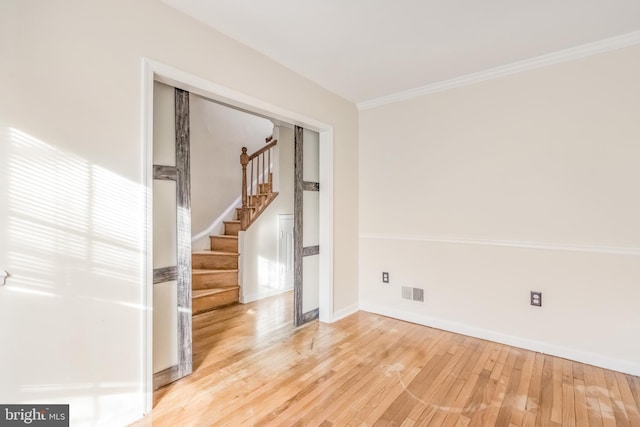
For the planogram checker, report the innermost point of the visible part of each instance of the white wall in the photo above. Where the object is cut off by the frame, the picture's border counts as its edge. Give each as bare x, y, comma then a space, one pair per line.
259, 244
529, 182
218, 134
72, 214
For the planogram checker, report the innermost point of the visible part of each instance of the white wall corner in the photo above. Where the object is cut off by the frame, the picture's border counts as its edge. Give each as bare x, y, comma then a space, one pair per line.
345, 312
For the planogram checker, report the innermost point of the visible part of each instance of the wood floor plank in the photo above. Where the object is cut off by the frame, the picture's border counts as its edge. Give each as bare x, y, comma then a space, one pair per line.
632, 407
520, 402
355, 410
556, 405
533, 392
309, 375
634, 383
606, 405
593, 398
568, 395
253, 367
619, 410
468, 378
497, 402
545, 393
511, 391
580, 403
402, 405
319, 404
435, 404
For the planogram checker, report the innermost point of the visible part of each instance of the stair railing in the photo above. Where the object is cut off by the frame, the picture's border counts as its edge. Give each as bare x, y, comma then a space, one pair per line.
255, 191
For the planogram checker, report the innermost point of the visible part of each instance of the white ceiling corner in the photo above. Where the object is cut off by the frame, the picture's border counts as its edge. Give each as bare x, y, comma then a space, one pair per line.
373, 52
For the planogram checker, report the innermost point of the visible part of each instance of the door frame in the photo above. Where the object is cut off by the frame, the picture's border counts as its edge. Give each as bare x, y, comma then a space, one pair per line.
156, 71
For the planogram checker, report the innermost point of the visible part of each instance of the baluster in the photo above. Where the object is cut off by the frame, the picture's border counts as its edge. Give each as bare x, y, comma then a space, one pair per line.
251, 200
269, 174
251, 183
263, 170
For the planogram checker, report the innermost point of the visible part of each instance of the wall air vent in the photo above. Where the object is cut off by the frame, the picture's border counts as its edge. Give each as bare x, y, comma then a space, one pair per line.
413, 294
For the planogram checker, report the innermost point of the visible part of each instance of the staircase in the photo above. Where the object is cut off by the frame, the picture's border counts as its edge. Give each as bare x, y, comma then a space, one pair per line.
215, 271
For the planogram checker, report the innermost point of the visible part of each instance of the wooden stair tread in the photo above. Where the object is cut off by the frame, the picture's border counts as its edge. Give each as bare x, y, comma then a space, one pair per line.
224, 236
213, 271
200, 293
214, 253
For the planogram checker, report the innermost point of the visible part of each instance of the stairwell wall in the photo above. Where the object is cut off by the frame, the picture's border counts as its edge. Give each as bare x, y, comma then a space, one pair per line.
258, 246
218, 134
483, 193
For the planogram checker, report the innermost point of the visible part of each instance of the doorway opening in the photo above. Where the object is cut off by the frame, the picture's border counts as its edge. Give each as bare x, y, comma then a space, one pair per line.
156, 72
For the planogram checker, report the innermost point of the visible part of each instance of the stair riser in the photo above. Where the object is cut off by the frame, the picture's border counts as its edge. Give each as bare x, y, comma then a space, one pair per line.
215, 280
265, 188
215, 261
231, 229
239, 212
222, 244
211, 302
257, 201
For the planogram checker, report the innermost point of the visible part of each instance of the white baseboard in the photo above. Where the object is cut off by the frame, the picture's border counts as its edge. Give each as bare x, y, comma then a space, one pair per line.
266, 293
625, 366
344, 312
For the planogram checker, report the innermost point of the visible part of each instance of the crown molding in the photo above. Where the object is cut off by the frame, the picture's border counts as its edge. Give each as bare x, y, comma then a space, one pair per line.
589, 49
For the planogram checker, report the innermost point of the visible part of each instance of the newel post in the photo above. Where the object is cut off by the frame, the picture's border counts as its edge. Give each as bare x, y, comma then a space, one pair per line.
244, 161
244, 212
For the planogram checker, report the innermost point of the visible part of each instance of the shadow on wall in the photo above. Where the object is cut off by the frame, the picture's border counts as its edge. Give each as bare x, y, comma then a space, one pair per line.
72, 306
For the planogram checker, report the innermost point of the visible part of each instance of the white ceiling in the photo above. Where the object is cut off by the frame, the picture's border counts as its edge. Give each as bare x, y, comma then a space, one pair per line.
367, 49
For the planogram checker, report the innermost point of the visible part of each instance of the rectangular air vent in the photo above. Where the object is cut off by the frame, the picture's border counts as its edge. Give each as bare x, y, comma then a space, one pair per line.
413, 294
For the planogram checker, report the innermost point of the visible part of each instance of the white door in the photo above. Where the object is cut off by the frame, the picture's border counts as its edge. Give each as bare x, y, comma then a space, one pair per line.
285, 251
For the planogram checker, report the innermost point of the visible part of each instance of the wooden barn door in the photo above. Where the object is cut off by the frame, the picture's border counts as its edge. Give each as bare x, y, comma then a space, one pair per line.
306, 226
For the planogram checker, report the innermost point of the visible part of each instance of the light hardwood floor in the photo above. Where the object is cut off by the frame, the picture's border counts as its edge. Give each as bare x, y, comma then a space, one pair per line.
253, 368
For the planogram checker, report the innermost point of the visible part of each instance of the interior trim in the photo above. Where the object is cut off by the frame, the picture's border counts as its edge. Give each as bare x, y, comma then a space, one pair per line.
166, 376
615, 250
311, 250
157, 71
165, 172
165, 274
577, 52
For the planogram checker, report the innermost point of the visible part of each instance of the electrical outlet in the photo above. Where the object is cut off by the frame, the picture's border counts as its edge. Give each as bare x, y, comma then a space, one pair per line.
536, 298
385, 277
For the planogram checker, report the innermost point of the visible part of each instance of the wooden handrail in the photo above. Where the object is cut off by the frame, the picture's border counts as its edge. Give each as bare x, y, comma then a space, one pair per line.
255, 195
263, 149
